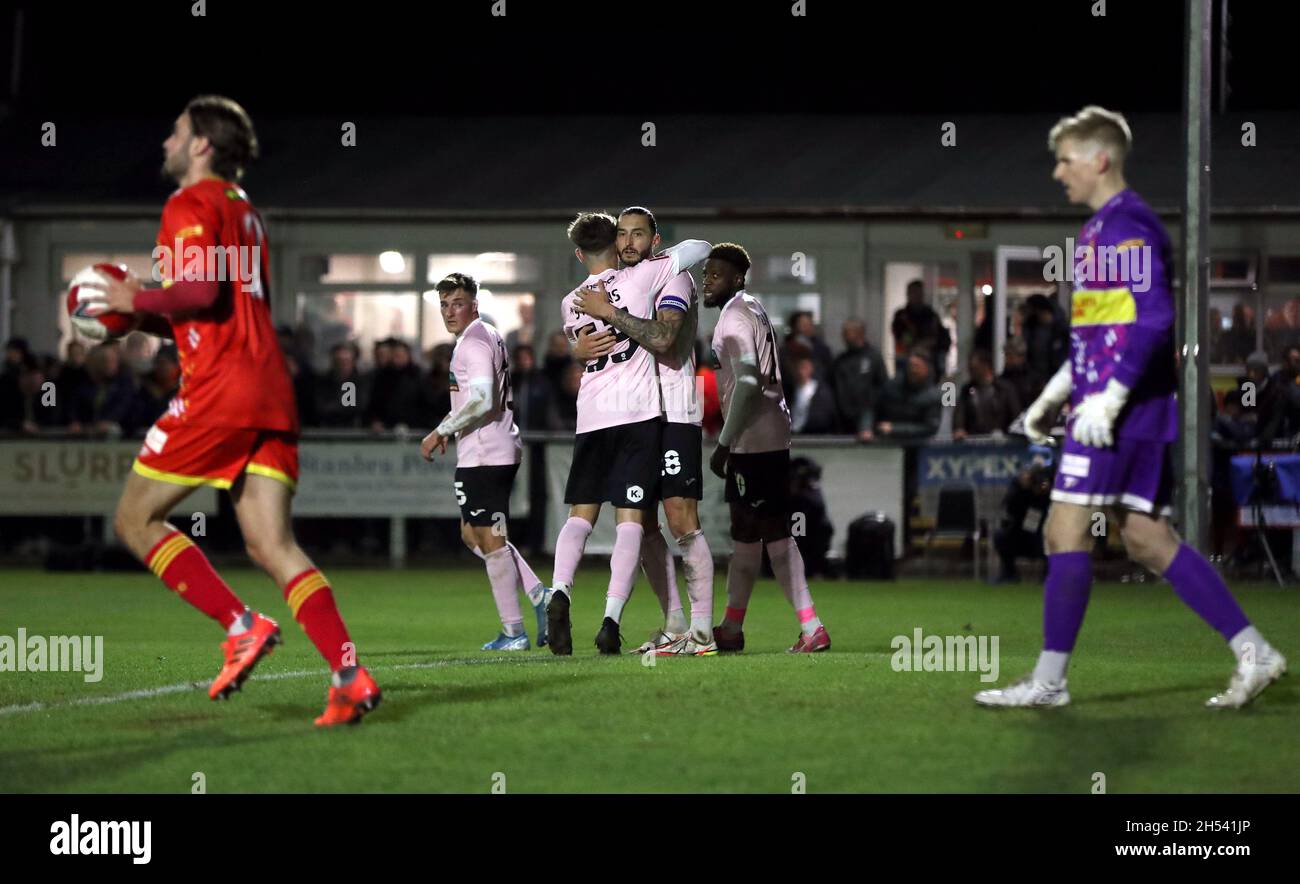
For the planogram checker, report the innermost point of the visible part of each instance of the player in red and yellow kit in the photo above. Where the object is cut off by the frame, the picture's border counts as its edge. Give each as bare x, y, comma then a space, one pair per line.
233, 424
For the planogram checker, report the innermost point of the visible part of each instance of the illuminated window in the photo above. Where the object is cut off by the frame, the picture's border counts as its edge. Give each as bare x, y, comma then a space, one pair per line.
364, 317
502, 268
388, 266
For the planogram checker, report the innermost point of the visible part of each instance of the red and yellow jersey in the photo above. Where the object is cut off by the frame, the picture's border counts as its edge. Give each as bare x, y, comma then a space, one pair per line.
232, 371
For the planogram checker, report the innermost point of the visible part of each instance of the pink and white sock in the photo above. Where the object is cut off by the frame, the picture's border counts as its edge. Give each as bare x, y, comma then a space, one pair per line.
503, 575
746, 559
787, 565
569, 547
697, 562
660, 569
622, 567
529, 583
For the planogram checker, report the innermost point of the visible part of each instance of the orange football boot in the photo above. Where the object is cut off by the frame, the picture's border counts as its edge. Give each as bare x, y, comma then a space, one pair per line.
349, 703
242, 653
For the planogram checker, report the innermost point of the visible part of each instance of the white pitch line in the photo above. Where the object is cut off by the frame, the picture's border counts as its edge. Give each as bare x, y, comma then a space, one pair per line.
147, 693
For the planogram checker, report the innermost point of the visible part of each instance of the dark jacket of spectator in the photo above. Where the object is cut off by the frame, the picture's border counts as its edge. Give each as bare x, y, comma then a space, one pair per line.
918, 325
1046, 332
107, 399
857, 375
812, 405
333, 405
32, 408
400, 396
910, 406
986, 408
563, 413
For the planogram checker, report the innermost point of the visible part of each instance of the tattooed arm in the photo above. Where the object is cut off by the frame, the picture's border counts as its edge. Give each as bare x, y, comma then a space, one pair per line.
657, 335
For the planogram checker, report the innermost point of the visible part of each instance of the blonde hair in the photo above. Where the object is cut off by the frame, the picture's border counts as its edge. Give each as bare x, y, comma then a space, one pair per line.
1097, 127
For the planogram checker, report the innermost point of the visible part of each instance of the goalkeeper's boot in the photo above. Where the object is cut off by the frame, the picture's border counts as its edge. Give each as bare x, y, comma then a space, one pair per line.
728, 637
820, 640
659, 639
540, 610
242, 651
505, 642
347, 703
608, 640
559, 629
1026, 692
1249, 680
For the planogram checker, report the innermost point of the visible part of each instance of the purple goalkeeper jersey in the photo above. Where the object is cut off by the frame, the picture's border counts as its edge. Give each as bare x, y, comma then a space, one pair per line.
1122, 316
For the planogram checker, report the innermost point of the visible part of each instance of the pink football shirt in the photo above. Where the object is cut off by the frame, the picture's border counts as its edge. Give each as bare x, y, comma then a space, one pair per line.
493, 439
621, 387
744, 333
681, 398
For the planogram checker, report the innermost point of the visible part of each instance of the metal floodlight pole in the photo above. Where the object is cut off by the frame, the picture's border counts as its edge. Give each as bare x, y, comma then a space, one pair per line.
1194, 411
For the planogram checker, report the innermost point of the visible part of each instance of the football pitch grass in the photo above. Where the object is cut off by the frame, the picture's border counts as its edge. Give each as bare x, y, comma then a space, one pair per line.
454, 717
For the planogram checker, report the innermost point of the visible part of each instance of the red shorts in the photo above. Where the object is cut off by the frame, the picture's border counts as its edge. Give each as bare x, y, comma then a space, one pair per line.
184, 454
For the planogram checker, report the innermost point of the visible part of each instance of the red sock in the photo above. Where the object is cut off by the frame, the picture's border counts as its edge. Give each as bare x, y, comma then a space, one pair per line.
187, 572
312, 602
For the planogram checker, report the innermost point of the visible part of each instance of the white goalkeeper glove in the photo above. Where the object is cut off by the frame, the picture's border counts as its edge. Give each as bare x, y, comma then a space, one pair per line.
1054, 395
1094, 420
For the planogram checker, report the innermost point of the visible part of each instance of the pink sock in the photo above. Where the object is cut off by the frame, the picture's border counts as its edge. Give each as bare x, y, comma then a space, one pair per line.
697, 562
622, 567
503, 574
660, 570
746, 558
568, 550
787, 565
527, 576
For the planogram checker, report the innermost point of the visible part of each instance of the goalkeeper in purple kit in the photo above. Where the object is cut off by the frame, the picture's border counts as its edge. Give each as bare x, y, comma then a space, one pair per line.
1121, 384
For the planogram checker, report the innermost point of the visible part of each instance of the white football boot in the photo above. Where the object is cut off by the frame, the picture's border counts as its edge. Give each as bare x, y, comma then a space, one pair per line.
689, 645
1026, 692
659, 640
1249, 680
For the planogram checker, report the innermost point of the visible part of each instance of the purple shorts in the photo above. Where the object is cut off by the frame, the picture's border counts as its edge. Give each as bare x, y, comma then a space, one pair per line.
1134, 474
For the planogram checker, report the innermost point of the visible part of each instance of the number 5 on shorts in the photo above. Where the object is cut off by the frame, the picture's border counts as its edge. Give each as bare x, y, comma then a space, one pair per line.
460, 493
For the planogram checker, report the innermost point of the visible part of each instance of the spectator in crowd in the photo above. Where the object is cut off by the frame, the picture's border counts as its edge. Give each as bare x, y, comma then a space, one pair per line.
522, 336
332, 404
32, 409
917, 326
1046, 332
806, 497
18, 357
398, 398
438, 386
1015, 371
1283, 392
72, 373
987, 404
382, 354
1020, 533
1233, 431
563, 416
105, 403
529, 389
802, 333
1237, 343
812, 407
557, 360
157, 388
910, 407
857, 376
300, 373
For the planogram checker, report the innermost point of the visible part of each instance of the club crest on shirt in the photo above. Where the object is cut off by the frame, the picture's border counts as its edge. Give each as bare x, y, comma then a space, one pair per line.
451, 382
